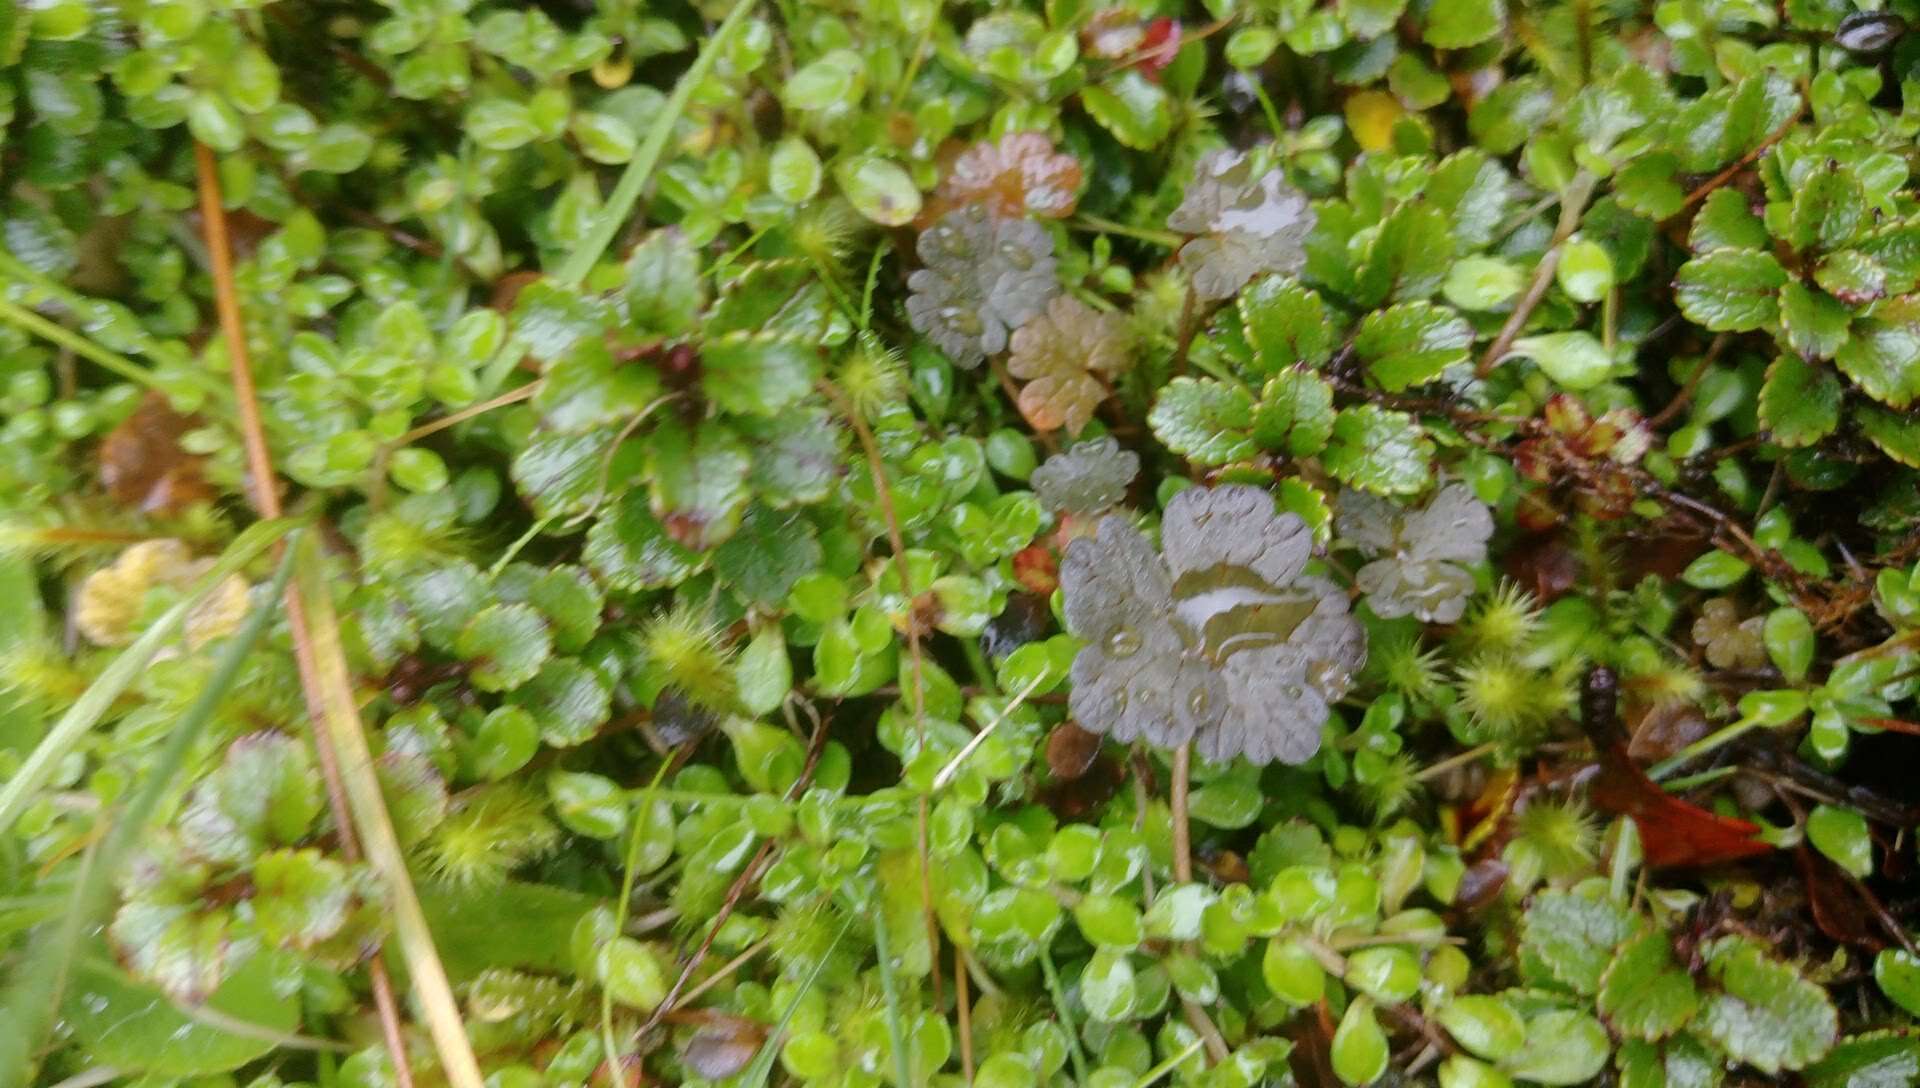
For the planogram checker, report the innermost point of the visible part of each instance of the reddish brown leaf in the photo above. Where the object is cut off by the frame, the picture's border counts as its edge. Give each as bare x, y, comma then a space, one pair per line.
1071, 750
1673, 832
1838, 908
143, 466
1018, 176
1665, 729
1546, 566
1037, 568
721, 1049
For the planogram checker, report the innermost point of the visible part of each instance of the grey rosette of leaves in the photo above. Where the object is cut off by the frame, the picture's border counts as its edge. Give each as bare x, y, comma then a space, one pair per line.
1222, 639
983, 277
1244, 225
1422, 554
1086, 478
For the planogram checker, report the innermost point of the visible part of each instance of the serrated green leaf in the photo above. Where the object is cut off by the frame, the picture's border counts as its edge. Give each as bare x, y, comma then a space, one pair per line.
1563, 1047
1407, 259
699, 481
1644, 993
1573, 936
1295, 414
1411, 344
1379, 450
1799, 402
664, 290
1765, 1014
1206, 421
504, 645
1286, 323
1730, 290
1879, 354
1136, 110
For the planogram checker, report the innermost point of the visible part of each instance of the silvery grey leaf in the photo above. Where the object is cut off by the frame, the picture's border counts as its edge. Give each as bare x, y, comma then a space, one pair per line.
1244, 225
1086, 478
982, 278
1227, 643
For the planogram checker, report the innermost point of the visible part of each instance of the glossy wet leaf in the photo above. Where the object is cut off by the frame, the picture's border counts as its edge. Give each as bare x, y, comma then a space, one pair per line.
1764, 1014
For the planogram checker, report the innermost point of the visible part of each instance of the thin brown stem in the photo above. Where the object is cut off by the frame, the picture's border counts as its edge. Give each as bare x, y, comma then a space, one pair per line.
1705, 188
1177, 801
898, 542
1691, 385
264, 494
1572, 205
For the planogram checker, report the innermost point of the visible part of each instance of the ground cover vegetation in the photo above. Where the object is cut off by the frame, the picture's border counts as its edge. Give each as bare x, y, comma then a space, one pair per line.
906, 543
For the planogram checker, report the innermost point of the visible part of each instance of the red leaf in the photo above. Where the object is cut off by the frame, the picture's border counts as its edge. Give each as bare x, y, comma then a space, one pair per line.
1838, 908
1673, 832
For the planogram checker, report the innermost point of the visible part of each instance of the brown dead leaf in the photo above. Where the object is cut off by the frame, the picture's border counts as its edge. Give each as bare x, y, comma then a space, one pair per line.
143, 466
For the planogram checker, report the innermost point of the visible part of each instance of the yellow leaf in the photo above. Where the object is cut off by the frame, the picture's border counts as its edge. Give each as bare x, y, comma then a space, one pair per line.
1371, 114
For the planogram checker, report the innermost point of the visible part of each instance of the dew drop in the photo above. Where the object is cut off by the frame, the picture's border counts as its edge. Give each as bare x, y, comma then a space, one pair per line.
1295, 691
1199, 701
1123, 643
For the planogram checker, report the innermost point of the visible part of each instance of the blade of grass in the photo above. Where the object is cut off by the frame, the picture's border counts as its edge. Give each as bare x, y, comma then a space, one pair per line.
890, 990
626, 192
86, 711
340, 721
758, 1070
33, 993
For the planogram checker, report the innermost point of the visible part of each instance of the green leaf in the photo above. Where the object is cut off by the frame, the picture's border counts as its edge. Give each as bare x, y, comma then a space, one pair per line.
1359, 1053
1295, 414
1206, 421
758, 375
504, 645
1842, 835
1136, 110
1896, 435
1286, 323
699, 482
1411, 344
1471, 189
1371, 18
1458, 24
1724, 221
1379, 450
1730, 290
1482, 283
1765, 1014
1875, 1059
1799, 402
1573, 936
588, 804
1563, 1047
794, 172
664, 291
467, 925
300, 897
1107, 986
1292, 972
634, 974
1715, 570
627, 548
1898, 973
588, 389
264, 794
499, 124
1644, 993
1408, 257
1880, 353
1828, 208
1790, 642
1815, 323
1573, 359
569, 700
879, 189
1585, 271
132, 1026
1486, 1025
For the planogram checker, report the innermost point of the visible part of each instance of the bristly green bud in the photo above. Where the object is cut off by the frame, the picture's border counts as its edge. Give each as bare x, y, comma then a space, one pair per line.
1504, 623
1552, 840
873, 376
689, 651
490, 832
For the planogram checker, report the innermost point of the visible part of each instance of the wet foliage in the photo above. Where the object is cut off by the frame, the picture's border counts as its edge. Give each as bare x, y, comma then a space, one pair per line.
919, 544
